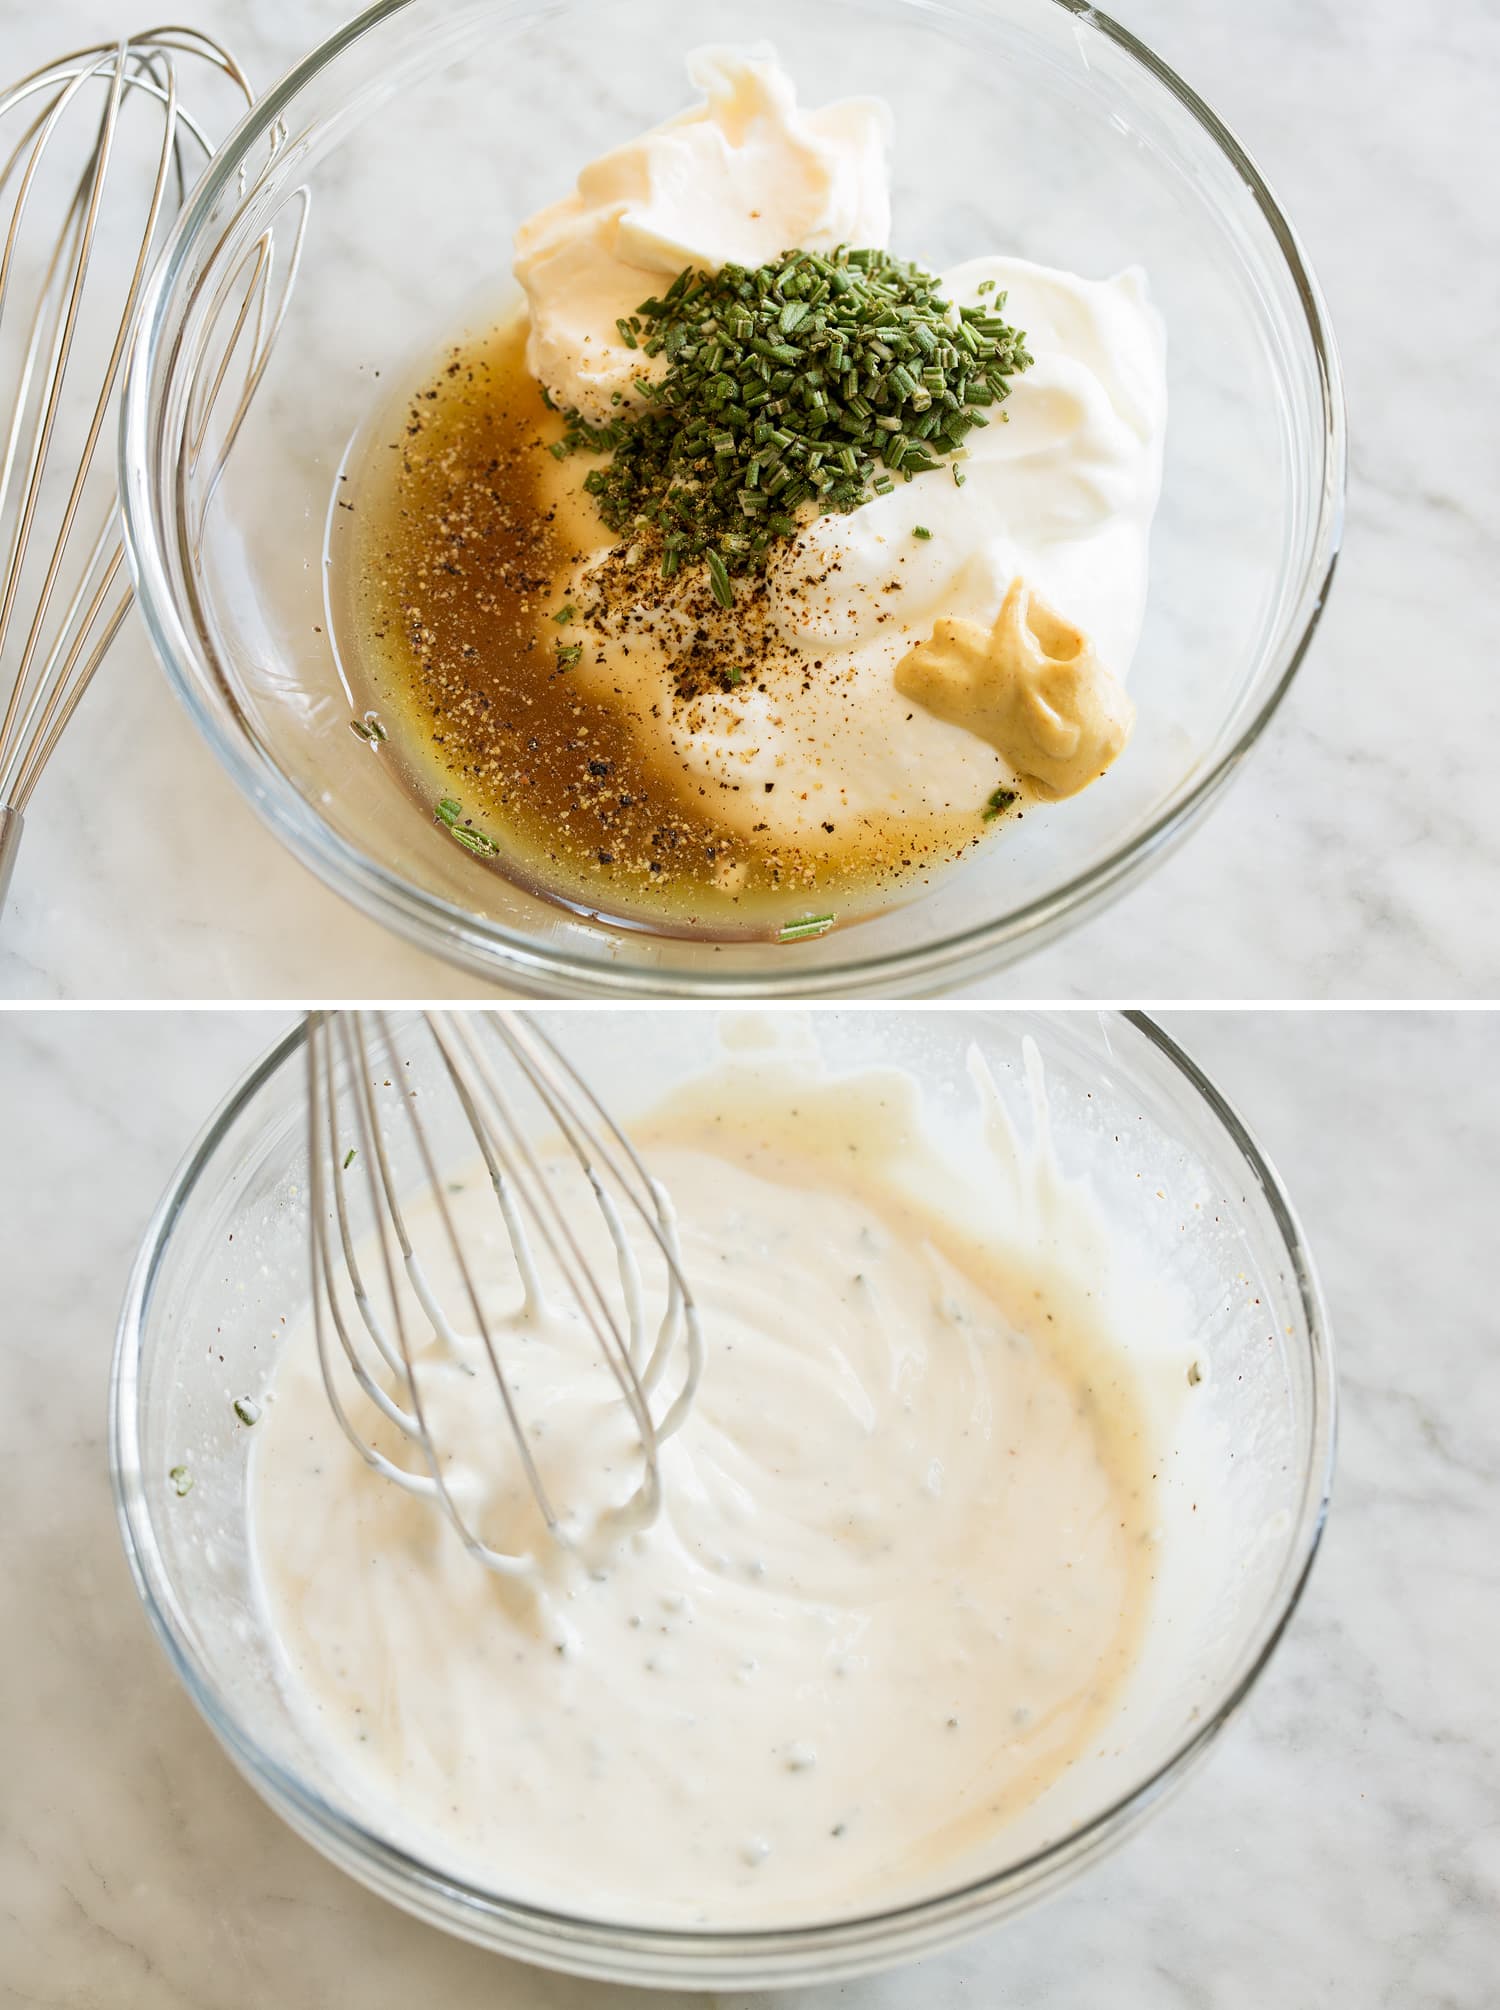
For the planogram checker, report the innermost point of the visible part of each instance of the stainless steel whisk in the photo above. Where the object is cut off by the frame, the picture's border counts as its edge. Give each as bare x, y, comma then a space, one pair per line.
62, 126
370, 1311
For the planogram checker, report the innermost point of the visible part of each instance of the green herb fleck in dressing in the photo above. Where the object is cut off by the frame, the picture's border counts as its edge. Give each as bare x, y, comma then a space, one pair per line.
448, 813
810, 925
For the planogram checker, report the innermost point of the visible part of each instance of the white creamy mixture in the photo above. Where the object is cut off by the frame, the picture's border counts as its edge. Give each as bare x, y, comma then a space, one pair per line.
1060, 487
898, 1582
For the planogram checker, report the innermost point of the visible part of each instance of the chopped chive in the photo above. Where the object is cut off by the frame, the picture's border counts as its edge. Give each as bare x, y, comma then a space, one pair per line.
718, 579
182, 1480
349, 1157
793, 381
565, 613
568, 654
999, 803
476, 842
920, 530
247, 1409
448, 813
810, 925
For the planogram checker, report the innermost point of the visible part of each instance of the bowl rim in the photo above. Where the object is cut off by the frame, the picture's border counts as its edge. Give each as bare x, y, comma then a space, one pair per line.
503, 955
685, 1956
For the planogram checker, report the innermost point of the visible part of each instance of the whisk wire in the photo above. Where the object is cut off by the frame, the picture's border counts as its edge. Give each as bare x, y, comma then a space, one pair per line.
67, 638
371, 1151
609, 1139
323, 1131
87, 208
620, 1354
533, 1297
390, 1354
471, 1292
558, 1233
350, 1046
389, 1222
58, 690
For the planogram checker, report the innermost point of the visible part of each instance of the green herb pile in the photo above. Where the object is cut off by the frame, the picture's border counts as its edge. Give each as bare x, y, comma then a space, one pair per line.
817, 378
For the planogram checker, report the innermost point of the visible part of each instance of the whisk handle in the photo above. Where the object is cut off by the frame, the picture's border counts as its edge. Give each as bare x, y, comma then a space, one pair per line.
10, 844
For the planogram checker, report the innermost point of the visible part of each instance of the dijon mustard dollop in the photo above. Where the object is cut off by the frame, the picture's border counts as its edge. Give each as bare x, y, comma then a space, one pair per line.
1031, 685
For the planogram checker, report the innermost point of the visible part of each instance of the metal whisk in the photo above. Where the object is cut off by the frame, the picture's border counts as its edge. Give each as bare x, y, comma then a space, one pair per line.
374, 1307
78, 243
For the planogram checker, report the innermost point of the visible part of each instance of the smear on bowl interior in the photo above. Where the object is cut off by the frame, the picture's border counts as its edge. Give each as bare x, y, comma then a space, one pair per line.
900, 1576
749, 573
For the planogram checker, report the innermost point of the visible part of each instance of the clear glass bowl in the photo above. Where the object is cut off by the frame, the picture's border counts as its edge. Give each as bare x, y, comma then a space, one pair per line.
396, 162
1172, 1168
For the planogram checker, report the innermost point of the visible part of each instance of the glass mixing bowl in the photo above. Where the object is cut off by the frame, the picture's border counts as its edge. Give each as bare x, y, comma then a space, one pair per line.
1174, 1171
394, 165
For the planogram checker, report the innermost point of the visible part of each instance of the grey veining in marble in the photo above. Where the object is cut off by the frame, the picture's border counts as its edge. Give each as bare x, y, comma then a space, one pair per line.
1357, 856
1341, 1847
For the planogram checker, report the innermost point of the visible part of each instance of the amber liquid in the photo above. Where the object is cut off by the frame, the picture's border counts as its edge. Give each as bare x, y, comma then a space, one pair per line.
447, 551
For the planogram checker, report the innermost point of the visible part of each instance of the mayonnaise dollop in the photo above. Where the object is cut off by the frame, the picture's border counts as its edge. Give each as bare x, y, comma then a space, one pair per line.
737, 180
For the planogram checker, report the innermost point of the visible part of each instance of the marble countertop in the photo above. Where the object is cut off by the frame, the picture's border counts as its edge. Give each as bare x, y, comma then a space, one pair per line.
1358, 854
1340, 1847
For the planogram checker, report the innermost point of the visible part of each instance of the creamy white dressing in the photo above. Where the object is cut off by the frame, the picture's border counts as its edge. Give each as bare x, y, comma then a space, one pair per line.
1060, 488
895, 1591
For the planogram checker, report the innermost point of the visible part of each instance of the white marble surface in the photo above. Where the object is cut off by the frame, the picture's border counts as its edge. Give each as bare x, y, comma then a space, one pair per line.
1341, 1846
1359, 854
